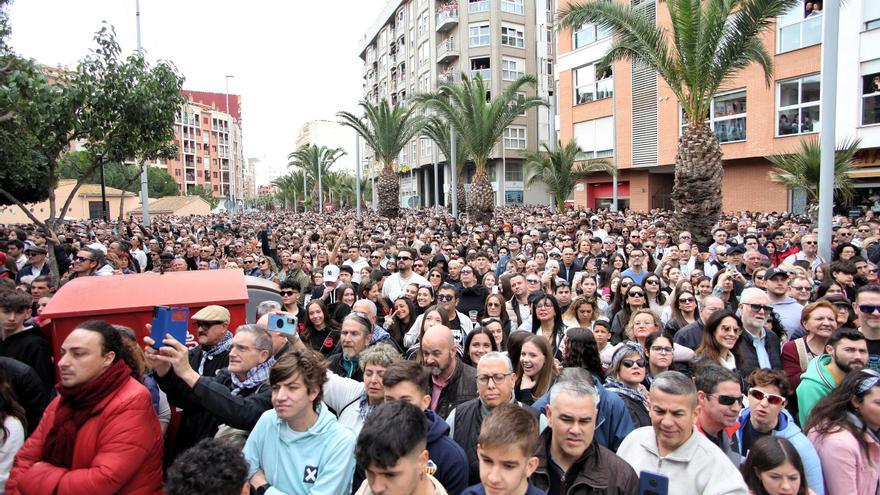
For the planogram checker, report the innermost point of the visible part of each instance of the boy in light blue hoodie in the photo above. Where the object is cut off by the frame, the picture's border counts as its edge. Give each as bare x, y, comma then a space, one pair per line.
297, 447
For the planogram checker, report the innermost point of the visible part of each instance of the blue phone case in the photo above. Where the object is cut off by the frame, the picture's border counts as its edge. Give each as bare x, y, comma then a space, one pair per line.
283, 324
651, 483
168, 320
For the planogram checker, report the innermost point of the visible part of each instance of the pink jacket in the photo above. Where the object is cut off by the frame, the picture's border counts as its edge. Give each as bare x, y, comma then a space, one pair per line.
847, 470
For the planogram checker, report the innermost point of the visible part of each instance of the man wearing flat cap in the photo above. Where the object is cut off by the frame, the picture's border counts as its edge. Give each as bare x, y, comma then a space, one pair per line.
36, 264
215, 340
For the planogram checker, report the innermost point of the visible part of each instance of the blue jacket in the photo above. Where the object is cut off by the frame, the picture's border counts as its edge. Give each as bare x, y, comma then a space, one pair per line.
448, 457
317, 461
613, 423
479, 490
787, 429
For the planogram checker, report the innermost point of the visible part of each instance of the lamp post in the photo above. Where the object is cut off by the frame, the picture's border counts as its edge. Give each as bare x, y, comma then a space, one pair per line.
104, 189
828, 99
452, 180
145, 200
357, 176
230, 161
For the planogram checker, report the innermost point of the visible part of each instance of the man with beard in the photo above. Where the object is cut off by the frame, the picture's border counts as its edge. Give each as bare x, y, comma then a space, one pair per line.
354, 337
846, 350
452, 381
867, 306
759, 348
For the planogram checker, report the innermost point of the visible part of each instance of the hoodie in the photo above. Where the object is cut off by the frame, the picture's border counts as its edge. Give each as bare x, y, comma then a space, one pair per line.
816, 382
446, 457
787, 429
316, 461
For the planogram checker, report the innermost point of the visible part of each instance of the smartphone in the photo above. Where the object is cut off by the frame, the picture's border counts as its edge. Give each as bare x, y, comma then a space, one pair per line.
169, 320
285, 324
651, 483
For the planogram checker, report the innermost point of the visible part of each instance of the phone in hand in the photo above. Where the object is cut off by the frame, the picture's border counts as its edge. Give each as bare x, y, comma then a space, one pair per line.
651, 483
285, 324
169, 320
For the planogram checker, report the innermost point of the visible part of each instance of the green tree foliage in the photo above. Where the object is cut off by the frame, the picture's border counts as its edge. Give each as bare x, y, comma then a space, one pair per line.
315, 161
205, 194
124, 176
560, 170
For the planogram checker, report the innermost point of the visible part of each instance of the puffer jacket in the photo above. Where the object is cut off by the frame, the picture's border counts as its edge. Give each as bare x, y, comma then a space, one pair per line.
118, 450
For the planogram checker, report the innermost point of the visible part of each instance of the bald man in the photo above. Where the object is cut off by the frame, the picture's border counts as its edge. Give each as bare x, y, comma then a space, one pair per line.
452, 381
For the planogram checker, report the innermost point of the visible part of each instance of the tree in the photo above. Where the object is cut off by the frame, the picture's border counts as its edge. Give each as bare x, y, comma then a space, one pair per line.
160, 183
480, 124
438, 130
315, 161
204, 193
560, 170
800, 170
386, 129
289, 188
709, 41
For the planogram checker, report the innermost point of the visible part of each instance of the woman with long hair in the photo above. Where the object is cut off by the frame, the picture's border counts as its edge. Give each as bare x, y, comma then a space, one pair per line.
684, 311
625, 377
683, 285
720, 337
774, 467
581, 351
724, 287
436, 277
496, 328
490, 281
643, 323
370, 291
495, 308
535, 371
424, 298
14, 426
656, 298
634, 300
478, 343
546, 321
402, 320
582, 312
268, 269
431, 317
658, 351
843, 427
320, 333
588, 288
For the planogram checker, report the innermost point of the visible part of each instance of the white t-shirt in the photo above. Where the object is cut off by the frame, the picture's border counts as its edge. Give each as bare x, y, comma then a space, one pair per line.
395, 284
357, 266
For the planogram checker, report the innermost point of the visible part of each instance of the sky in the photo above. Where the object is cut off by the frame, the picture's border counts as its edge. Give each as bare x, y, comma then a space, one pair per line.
292, 60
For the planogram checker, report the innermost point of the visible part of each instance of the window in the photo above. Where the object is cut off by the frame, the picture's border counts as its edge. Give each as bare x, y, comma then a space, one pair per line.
588, 87
515, 138
479, 35
475, 6
400, 17
727, 117
793, 31
424, 53
797, 103
512, 68
423, 23
424, 83
872, 14
513, 6
481, 66
427, 146
588, 34
871, 99
512, 35
595, 138
513, 172
513, 198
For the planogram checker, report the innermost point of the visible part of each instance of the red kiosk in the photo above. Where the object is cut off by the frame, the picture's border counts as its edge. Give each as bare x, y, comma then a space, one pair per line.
129, 299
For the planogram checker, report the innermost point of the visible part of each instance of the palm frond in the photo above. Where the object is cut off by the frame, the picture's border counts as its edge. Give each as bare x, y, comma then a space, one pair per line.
801, 170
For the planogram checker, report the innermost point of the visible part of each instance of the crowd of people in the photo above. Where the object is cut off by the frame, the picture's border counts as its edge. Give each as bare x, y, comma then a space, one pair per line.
549, 352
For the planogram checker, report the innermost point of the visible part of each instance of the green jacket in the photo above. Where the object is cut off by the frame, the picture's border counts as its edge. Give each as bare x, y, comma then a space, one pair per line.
816, 383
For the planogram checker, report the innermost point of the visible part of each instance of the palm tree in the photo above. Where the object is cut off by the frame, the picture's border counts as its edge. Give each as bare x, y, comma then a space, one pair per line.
438, 131
709, 41
480, 125
315, 161
560, 170
800, 170
386, 129
287, 186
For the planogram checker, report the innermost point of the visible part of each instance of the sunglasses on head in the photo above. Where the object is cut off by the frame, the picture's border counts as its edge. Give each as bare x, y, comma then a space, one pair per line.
772, 399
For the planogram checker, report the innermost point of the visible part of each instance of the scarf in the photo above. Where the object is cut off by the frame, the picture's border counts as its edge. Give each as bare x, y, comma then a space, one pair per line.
364, 407
255, 376
75, 407
223, 346
621, 388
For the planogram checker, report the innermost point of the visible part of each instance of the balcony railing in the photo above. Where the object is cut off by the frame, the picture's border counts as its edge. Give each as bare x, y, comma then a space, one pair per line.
449, 76
447, 18
479, 6
447, 50
486, 73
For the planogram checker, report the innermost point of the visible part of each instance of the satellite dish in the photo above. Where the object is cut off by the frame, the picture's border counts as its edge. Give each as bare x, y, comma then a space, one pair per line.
413, 202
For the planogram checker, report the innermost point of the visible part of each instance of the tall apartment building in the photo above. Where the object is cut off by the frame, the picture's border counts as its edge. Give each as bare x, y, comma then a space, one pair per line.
209, 142
415, 45
631, 117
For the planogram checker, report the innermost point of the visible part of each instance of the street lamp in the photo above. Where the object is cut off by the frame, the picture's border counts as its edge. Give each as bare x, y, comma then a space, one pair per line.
230, 161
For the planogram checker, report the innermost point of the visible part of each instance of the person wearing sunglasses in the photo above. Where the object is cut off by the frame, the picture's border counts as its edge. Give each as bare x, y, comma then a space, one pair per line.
843, 429
809, 251
766, 416
720, 397
395, 284
867, 306
625, 376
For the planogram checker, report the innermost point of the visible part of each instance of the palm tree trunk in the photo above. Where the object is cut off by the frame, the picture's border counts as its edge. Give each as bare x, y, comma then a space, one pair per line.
481, 200
696, 195
461, 194
388, 189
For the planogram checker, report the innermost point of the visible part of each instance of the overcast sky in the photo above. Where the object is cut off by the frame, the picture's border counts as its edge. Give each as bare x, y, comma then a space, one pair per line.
293, 61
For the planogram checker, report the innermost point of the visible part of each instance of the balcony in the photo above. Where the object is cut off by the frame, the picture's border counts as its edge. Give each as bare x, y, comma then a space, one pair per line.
448, 76
447, 18
486, 73
447, 51
477, 6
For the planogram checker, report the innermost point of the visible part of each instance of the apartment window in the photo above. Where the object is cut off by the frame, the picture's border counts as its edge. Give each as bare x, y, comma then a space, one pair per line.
400, 17
512, 68
424, 53
871, 99
478, 34
513, 172
513, 6
424, 83
872, 14
215, 175
794, 31
427, 146
475, 6
512, 35
414, 150
589, 34
797, 103
588, 87
481, 66
423, 23
595, 138
727, 117
177, 172
515, 138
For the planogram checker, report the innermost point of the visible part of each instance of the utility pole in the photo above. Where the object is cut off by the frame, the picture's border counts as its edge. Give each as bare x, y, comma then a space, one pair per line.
104, 189
357, 176
229, 158
827, 144
145, 199
373, 179
436, 183
452, 180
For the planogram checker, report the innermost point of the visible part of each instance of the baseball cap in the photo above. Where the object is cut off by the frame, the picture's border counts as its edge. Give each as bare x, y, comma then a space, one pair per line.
331, 273
212, 313
775, 272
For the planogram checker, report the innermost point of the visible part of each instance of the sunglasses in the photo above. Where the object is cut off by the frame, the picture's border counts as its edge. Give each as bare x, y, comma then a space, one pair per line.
287, 293
207, 324
445, 297
81, 259
636, 294
629, 363
493, 305
686, 300
760, 307
869, 308
533, 281
772, 399
728, 400
403, 258
31, 253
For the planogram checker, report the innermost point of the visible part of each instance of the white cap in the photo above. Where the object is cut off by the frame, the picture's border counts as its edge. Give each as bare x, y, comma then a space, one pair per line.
331, 273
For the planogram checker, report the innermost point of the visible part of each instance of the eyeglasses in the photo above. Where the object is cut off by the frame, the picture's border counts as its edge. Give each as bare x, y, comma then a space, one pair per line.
31, 253
728, 400
287, 293
801, 289
497, 378
207, 324
759, 307
403, 258
772, 399
869, 308
445, 297
248, 261
661, 349
373, 257
629, 363
533, 281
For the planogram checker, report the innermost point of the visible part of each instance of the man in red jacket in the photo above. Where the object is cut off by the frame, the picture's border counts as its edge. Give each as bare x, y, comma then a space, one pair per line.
101, 434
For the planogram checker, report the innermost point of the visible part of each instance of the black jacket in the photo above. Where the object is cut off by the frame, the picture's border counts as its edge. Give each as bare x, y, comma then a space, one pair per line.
31, 348
335, 364
213, 365
25, 384
747, 355
598, 471
462, 387
472, 298
211, 403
